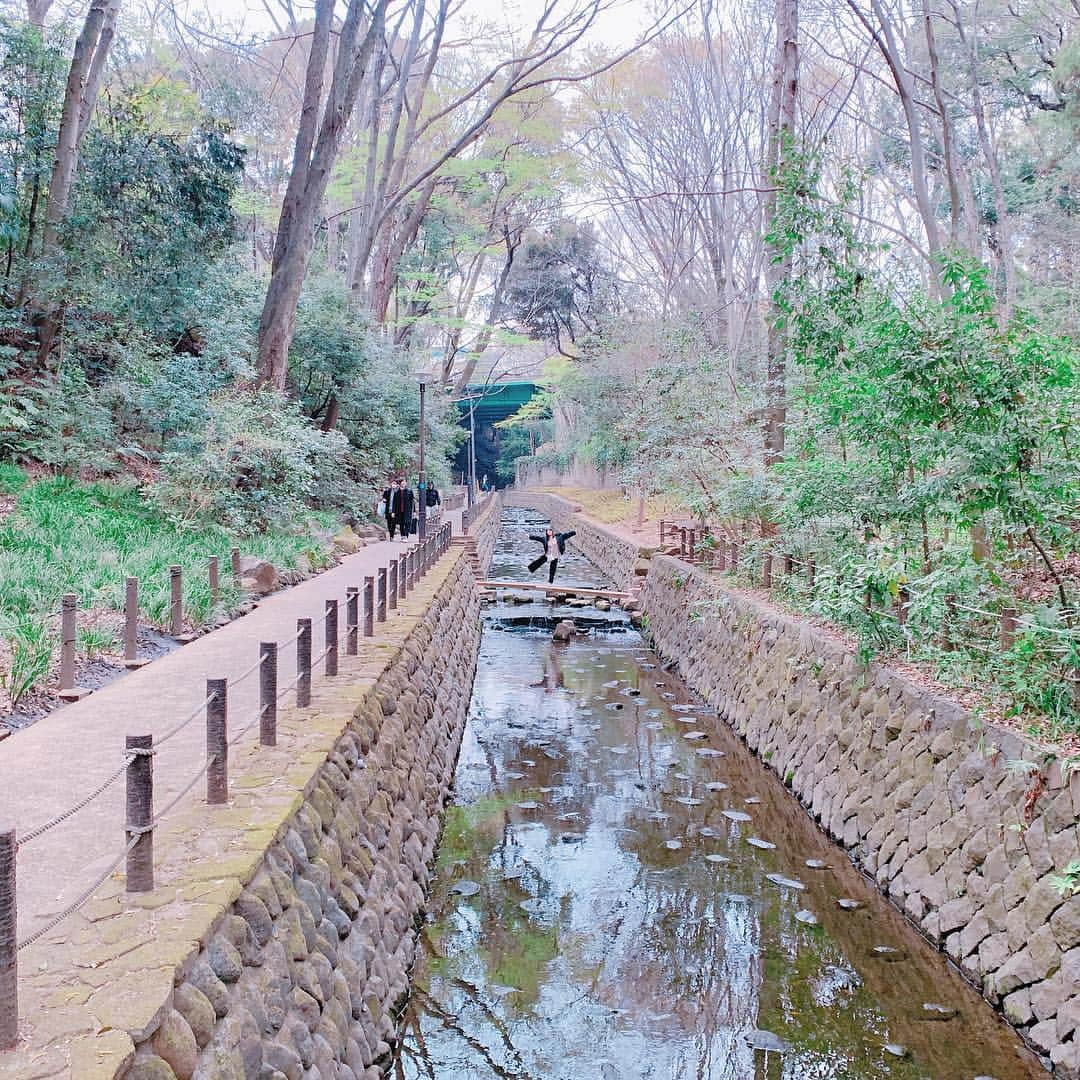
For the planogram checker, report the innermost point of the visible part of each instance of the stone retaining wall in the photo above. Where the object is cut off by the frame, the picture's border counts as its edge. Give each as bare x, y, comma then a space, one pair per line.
963, 825
279, 939
615, 556
486, 531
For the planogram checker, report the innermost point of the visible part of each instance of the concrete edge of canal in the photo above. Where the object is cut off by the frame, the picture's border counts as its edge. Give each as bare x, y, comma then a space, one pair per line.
963, 825
281, 931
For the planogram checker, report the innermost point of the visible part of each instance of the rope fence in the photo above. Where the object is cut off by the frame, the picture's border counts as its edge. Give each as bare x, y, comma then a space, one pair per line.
136, 763
702, 546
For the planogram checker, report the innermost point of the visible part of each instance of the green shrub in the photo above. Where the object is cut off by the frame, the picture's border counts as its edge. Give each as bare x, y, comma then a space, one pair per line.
260, 463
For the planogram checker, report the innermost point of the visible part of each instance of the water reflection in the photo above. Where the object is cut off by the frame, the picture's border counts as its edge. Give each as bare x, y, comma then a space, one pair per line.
600, 912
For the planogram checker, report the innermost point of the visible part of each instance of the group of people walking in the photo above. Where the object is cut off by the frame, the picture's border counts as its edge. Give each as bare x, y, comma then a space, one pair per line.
398, 507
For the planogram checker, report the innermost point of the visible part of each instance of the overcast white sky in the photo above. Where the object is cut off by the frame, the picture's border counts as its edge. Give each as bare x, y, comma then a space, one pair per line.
619, 26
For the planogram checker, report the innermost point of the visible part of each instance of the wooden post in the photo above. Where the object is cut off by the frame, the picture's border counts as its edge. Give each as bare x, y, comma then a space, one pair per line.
903, 603
331, 637
811, 571
9, 946
787, 564
131, 623
391, 585
140, 813
234, 556
214, 579
268, 694
766, 571
176, 603
352, 619
369, 606
68, 604
1007, 632
950, 616
303, 663
217, 742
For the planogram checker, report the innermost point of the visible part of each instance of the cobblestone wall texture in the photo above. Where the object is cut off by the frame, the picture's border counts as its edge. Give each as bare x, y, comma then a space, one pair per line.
278, 942
964, 826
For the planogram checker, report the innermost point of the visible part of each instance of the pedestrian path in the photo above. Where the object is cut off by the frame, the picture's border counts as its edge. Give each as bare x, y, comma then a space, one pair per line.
67, 755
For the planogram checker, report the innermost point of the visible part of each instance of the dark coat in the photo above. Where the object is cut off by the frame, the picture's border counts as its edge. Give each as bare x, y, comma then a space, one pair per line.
399, 503
559, 538
433, 497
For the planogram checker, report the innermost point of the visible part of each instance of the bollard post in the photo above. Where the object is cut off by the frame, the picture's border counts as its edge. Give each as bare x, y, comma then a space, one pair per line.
1007, 632
766, 571
140, 813
234, 556
391, 585
217, 742
9, 946
691, 544
268, 693
331, 637
131, 622
380, 596
215, 581
811, 570
403, 569
176, 605
721, 554
682, 542
734, 557
303, 663
787, 564
68, 604
661, 532
352, 619
369, 606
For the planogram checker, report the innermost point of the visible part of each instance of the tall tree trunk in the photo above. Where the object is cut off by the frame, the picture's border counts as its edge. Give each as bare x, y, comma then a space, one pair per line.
947, 153
781, 137
318, 141
80, 96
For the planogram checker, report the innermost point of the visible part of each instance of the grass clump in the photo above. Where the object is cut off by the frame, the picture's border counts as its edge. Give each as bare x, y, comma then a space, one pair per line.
63, 536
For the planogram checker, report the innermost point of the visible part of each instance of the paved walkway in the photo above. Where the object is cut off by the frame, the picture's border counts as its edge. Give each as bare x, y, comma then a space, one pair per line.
50, 765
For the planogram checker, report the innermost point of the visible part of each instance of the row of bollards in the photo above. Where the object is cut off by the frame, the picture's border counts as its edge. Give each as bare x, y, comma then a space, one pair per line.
69, 604
364, 606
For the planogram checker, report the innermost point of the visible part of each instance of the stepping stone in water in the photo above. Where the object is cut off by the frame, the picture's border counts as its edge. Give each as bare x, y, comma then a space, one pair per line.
465, 888
528, 805
807, 918
848, 905
654, 713
658, 815
933, 1011
708, 751
766, 1040
752, 801
569, 815
817, 864
513, 776
668, 695
681, 776
683, 708
896, 1050
688, 800
655, 725
514, 873
571, 838
533, 906
736, 815
708, 830
715, 785
717, 859
528, 764
763, 845
673, 845
784, 882
888, 953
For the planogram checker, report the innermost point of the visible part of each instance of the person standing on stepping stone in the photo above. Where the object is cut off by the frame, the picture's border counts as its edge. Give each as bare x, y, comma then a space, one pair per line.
554, 546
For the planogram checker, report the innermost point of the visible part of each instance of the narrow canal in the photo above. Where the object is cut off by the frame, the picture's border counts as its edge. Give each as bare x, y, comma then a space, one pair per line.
624, 891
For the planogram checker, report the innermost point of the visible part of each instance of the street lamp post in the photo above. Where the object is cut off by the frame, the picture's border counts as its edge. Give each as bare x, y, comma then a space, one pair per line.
472, 451
422, 532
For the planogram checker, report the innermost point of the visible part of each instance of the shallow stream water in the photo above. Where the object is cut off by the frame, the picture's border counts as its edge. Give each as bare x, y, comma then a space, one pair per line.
624, 891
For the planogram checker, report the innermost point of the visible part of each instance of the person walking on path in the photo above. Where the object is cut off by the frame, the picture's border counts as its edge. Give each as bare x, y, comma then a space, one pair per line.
399, 508
554, 546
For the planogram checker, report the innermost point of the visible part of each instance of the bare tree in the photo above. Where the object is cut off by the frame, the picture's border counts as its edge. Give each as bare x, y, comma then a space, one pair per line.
318, 139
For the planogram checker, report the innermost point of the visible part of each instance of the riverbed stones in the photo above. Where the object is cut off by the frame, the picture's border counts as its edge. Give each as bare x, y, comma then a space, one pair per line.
564, 630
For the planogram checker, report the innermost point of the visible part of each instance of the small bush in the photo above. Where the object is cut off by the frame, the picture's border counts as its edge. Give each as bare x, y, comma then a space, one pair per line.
260, 464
